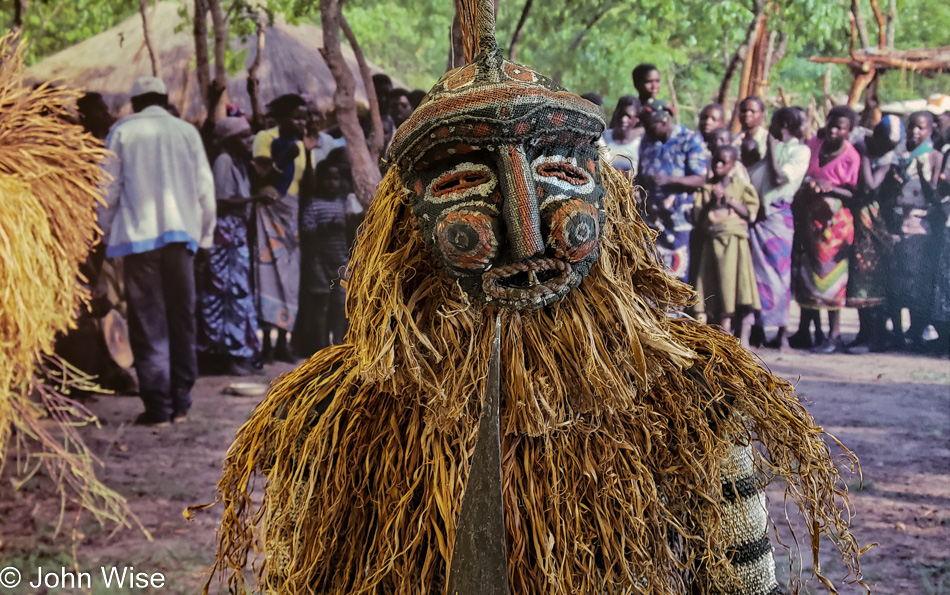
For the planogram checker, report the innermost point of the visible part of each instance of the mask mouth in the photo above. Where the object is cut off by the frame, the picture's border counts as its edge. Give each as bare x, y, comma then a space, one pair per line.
528, 284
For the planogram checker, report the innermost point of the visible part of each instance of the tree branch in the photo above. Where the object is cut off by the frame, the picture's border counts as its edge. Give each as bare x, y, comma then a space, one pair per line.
376, 137
219, 84
590, 25
253, 82
202, 65
881, 25
516, 36
365, 171
156, 64
862, 29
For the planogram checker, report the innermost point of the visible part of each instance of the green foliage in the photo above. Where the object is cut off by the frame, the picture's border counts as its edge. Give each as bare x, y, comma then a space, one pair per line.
52, 25
690, 40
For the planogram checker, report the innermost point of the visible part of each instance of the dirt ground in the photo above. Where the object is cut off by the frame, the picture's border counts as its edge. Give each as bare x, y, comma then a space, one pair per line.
893, 410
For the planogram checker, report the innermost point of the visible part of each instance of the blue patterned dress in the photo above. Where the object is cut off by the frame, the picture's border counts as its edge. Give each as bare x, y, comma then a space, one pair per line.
227, 318
669, 213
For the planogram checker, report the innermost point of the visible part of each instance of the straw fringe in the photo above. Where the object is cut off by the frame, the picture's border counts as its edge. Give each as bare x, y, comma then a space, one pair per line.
49, 188
618, 419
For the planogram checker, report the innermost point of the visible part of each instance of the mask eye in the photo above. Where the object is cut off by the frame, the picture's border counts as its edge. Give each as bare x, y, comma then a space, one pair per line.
573, 229
564, 171
465, 181
459, 181
468, 239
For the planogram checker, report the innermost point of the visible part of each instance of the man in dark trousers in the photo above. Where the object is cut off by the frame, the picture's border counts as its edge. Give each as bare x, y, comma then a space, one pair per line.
159, 211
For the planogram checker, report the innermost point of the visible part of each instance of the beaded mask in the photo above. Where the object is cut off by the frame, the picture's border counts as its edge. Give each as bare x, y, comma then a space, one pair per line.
504, 174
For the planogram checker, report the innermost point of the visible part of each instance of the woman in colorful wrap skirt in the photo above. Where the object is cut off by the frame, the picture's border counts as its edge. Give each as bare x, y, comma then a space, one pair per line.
825, 230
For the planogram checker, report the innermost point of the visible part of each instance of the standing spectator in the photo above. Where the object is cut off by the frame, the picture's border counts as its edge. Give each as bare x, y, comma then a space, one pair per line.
721, 137
383, 85
327, 229
725, 283
672, 167
776, 179
595, 98
622, 138
825, 230
941, 298
711, 119
227, 319
400, 106
94, 115
280, 159
753, 136
159, 209
911, 223
646, 80
877, 185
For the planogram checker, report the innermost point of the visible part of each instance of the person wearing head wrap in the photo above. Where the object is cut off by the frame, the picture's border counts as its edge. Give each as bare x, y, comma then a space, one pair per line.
776, 179
511, 351
228, 339
867, 270
280, 158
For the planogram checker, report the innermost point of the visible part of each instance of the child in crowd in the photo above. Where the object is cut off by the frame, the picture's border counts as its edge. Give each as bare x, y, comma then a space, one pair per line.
725, 282
721, 137
328, 221
911, 279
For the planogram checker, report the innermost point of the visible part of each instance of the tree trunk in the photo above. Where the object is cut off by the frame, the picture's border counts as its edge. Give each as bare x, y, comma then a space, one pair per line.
752, 41
891, 24
376, 136
456, 50
219, 85
722, 97
19, 9
859, 22
364, 167
156, 64
253, 82
742, 56
881, 25
202, 63
516, 36
674, 100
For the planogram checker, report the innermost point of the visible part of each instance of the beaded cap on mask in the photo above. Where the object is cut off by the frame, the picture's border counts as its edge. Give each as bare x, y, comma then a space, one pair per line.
505, 175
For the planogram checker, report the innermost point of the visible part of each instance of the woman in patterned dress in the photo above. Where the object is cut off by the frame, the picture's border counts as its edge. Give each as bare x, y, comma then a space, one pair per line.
825, 230
776, 179
877, 186
227, 318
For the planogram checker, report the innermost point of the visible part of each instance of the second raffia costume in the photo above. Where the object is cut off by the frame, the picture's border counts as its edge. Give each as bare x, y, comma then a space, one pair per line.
633, 444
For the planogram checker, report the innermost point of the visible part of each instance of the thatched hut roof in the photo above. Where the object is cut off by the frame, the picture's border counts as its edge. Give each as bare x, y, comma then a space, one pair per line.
109, 62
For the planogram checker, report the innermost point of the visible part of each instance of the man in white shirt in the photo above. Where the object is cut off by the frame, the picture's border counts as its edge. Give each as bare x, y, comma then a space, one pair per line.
159, 210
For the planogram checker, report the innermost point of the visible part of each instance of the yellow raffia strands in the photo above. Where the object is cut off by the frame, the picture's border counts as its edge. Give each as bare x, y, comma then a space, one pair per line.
49, 188
617, 418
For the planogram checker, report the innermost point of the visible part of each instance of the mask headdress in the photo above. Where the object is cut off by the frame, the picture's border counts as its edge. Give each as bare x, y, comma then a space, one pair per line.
505, 174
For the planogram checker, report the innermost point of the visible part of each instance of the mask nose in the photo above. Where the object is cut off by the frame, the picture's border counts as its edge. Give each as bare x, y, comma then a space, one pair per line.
520, 212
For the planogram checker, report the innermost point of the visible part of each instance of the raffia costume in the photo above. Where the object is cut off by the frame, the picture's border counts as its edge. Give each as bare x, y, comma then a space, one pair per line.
627, 454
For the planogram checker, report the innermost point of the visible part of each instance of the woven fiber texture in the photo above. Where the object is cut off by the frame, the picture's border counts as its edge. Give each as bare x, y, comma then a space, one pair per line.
620, 431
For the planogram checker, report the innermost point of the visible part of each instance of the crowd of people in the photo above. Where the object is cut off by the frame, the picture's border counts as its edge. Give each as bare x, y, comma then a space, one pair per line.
235, 240
845, 217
